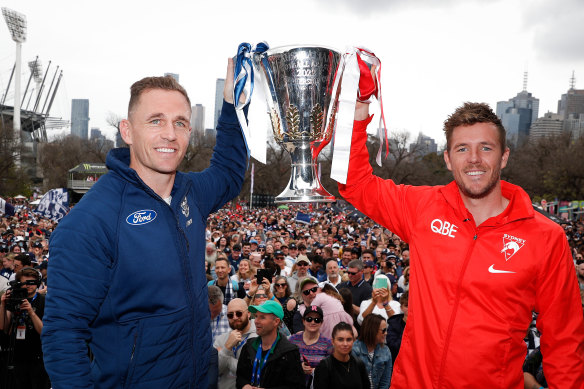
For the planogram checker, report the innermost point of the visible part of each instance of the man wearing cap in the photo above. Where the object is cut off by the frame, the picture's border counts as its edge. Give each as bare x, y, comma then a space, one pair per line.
292, 254
230, 344
269, 360
302, 265
234, 258
307, 288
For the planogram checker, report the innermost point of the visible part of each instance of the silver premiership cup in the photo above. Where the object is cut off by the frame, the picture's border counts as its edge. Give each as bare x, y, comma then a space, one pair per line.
298, 83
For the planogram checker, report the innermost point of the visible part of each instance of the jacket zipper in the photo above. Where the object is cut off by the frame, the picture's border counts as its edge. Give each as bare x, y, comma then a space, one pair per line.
455, 308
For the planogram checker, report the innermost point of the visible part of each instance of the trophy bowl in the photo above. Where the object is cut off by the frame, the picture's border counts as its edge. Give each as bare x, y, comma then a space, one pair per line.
298, 84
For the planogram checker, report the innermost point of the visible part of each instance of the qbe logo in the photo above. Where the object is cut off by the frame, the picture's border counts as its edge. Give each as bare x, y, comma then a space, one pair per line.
443, 228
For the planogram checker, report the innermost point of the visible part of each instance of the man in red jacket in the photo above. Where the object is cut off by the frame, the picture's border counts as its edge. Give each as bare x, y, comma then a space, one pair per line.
470, 306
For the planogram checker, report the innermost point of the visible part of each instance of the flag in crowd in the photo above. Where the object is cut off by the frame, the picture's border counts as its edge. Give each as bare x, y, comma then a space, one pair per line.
54, 205
6, 208
302, 217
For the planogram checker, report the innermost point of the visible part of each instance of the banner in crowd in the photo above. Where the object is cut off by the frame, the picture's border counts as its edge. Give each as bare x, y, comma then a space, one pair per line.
6, 208
54, 204
302, 218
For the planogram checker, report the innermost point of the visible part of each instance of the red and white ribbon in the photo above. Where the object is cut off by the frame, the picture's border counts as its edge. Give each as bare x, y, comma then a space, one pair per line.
355, 76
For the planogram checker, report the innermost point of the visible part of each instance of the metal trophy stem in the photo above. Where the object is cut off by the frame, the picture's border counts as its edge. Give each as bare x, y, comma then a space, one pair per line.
298, 81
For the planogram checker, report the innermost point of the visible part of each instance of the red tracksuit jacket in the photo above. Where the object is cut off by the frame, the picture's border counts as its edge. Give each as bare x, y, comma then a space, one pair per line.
473, 288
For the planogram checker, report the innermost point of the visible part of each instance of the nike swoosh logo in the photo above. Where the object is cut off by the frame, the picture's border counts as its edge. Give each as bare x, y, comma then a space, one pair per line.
493, 270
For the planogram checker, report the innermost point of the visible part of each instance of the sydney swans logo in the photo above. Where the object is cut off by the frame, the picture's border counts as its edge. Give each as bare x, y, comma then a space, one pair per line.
511, 245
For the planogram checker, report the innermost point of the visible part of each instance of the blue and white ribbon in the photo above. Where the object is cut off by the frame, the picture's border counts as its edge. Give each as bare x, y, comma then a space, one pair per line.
243, 85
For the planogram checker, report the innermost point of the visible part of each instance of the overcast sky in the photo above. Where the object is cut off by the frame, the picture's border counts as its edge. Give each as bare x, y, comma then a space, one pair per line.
435, 54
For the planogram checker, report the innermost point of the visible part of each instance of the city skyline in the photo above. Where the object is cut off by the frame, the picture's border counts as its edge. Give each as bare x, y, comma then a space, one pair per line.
434, 57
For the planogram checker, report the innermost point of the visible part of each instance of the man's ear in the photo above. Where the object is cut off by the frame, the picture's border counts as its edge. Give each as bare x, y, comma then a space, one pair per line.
126, 131
447, 160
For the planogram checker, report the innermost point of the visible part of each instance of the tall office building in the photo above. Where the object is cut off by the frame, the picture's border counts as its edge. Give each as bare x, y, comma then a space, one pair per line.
574, 124
80, 118
173, 75
220, 83
423, 145
571, 102
517, 114
198, 118
550, 124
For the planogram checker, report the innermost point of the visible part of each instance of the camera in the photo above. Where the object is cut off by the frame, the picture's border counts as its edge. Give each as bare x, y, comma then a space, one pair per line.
17, 293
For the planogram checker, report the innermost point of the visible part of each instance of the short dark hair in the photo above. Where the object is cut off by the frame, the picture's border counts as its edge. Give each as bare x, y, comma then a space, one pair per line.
370, 327
224, 259
341, 326
147, 83
24, 259
472, 113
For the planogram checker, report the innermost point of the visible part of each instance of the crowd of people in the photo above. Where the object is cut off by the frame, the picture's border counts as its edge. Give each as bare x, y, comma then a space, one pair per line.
336, 288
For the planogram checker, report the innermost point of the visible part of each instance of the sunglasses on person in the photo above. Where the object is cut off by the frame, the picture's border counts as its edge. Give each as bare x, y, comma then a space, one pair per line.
302, 264
383, 330
310, 319
230, 315
352, 273
280, 285
311, 290
261, 296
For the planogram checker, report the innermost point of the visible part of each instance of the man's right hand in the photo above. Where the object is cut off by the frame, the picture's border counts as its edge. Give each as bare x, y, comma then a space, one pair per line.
233, 339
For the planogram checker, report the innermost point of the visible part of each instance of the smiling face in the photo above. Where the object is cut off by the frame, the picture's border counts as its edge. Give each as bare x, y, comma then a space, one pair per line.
157, 131
476, 159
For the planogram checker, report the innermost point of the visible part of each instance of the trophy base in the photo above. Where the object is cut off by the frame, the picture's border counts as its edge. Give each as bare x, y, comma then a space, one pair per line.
316, 195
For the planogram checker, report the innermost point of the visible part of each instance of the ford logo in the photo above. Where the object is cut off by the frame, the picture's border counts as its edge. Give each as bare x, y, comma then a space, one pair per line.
141, 217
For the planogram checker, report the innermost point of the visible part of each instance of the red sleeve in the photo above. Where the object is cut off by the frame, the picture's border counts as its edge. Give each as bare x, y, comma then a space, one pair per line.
560, 319
382, 200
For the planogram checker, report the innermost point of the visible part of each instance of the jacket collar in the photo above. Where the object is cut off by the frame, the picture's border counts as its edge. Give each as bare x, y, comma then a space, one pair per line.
118, 160
519, 206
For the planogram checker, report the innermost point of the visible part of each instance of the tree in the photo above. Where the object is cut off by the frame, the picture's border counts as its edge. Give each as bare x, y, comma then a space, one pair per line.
113, 120
13, 179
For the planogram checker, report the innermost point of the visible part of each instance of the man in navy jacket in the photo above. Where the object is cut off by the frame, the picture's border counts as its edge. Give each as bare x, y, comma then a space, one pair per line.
127, 264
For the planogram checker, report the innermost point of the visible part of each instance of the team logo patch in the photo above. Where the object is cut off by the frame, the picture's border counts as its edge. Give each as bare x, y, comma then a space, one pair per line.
141, 217
511, 245
184, 205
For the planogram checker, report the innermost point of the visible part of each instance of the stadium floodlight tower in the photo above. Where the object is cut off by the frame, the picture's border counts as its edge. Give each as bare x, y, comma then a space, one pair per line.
16, 23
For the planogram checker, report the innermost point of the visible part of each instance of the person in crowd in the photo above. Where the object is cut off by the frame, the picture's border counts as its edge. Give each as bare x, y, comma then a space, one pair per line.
580, 273
345, 258
381, 301
332, 274
230, 344
22, 320
218, 309
533, 374
235, 256
210, 254
20, 262
245, 250
316, 268
148, 223
330, 301
396, 325
7, 266
373, 351
230, 288
368, 268
313, 346
222, 244
244, 273
496, 248
347, 297
307, 290
255, 261
262, 295
299, 271
360, 289
284, 296
341, 370
208, 272
404, 280
279, 260
269, 360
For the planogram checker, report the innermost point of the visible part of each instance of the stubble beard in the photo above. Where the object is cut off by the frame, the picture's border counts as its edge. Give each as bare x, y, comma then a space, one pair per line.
491, 185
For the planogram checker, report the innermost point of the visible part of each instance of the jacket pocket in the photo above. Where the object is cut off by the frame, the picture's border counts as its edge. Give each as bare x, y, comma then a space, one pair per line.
127, 379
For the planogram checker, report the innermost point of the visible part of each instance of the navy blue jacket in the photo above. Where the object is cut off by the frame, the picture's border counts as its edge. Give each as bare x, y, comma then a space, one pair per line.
127, 276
